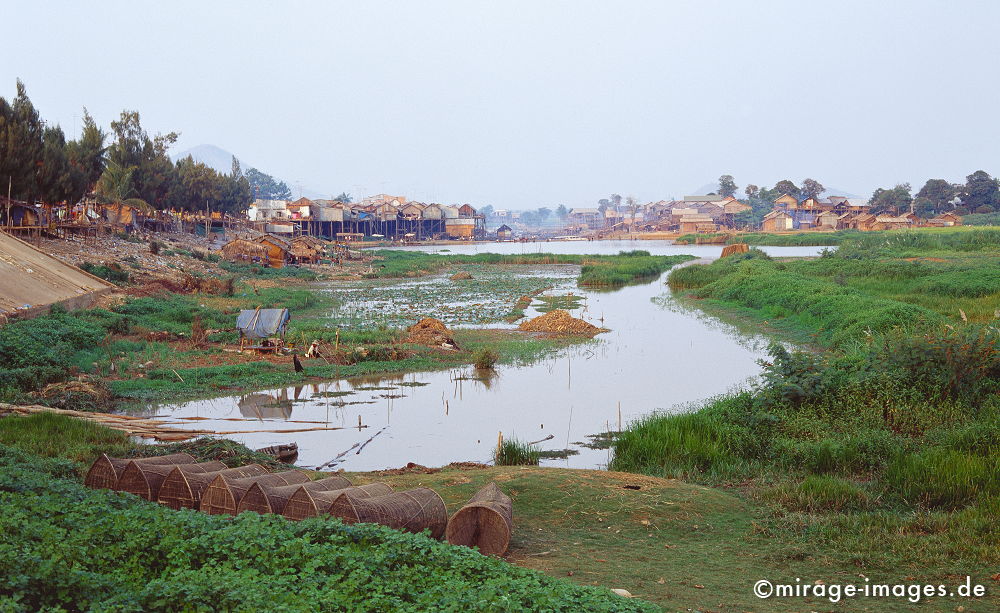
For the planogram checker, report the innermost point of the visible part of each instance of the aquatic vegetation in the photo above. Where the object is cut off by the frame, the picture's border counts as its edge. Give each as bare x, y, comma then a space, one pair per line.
512, 452
485, 358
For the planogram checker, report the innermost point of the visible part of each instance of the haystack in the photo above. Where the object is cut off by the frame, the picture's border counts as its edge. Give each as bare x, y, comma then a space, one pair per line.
145, 480
486, 522
304, 503
735, 248
272, 499
460, 276
105, 472
560, 322
223, 494
413, 511
183, 490
431, 332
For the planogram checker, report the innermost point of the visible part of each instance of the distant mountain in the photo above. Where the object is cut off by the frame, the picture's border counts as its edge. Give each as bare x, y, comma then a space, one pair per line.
211, 156
222, 161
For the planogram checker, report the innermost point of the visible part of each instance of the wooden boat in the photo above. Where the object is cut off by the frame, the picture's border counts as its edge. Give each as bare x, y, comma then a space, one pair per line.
286, 453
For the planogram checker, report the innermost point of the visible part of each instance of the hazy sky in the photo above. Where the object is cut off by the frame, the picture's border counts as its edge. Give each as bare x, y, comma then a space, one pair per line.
523, 104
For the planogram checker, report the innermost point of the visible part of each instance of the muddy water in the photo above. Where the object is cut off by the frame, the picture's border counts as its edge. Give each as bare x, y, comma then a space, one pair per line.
657, 355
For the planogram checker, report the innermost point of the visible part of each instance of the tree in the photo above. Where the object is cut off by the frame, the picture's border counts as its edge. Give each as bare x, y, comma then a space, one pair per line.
343, 197
924, 207
936, 195
544, 213
153, 176
616, 201
235, 190
562, 211
86, 156
21, 145
603, 204
894, 200
787, 187
115, 187
981, 191
486, 211
811, 189
53, 176
266, 187
751, 191
727, 186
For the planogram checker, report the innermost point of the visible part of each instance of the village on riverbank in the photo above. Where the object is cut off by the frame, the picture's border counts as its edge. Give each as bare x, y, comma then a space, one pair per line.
216, 396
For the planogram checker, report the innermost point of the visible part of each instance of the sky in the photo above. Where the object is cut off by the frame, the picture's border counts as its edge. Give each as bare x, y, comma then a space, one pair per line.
535, 103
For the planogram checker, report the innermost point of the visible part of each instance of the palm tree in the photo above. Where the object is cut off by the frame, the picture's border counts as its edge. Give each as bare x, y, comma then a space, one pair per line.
115, 187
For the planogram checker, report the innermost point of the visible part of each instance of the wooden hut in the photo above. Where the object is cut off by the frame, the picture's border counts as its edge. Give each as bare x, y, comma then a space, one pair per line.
504, 232
277, 249
777, 221
243, 250
305, 250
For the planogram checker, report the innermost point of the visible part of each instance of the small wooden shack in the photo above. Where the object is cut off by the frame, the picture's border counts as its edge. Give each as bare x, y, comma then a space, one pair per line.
277, 249
504, 232
242, 250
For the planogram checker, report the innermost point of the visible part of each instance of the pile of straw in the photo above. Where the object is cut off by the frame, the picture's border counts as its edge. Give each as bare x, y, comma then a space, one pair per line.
559, 321
431, 332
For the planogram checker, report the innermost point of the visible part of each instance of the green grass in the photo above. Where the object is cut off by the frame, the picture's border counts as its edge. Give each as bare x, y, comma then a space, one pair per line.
886, 446
512, 452
798, 239
596, 270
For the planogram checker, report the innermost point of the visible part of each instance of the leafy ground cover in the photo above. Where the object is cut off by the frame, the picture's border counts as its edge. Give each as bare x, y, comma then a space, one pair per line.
64, 547
795, 239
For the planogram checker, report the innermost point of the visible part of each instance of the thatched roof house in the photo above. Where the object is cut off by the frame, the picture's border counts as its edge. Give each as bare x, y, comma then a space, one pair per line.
242, 249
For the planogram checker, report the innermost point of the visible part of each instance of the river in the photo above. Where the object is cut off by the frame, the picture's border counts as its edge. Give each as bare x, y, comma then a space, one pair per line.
658, 355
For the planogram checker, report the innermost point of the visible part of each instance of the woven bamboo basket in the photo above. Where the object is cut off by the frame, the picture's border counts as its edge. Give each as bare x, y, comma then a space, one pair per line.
145, 479
105, 472
262, 499
413, 511
304, 503
223, 494
182, 490
485, 522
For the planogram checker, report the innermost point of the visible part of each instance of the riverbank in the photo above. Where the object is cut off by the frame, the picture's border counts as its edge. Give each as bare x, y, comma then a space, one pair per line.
883, 450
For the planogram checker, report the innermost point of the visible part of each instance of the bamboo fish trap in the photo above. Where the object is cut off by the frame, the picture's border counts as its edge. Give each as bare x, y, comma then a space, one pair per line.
145, 479
485, 522
105, 472
304, 503
263, 499
183, 490
223, 494
413, 511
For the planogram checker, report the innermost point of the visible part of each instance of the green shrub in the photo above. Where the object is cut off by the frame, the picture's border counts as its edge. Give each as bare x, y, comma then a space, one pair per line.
817, 493
513, 452
111, 272
944, 478
485, 358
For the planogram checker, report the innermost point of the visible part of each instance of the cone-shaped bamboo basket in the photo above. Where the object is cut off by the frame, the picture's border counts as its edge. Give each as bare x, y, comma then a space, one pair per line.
485, 522
304, 503
105, 472
182, 490
145, 479
263, 499
413, 511
223, 494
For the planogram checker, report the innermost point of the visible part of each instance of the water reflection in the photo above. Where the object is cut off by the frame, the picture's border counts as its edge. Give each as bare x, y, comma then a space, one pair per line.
657, 355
